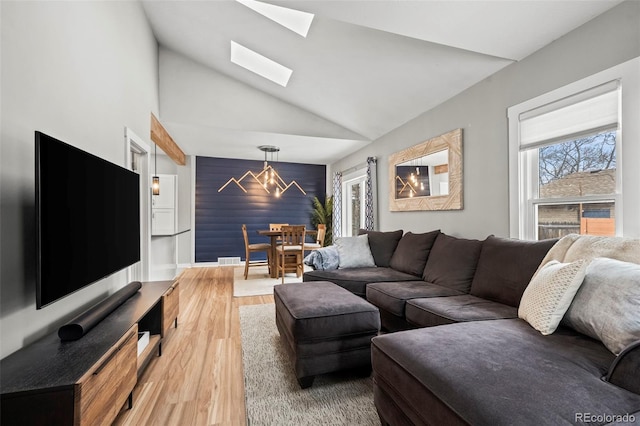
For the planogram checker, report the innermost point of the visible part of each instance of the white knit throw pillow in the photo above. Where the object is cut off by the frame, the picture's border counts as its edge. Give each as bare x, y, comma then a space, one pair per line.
549, 294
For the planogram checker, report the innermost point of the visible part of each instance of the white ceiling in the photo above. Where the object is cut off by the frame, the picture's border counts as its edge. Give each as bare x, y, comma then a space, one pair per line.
365, 67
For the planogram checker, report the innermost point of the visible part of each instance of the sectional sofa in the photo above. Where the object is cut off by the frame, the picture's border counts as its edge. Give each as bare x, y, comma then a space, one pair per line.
484, 363
413, 273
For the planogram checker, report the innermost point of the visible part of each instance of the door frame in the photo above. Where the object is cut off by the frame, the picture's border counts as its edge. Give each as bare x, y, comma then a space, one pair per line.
134, 143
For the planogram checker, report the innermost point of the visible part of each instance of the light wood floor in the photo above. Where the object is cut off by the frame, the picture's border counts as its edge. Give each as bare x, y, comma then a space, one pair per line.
198, 380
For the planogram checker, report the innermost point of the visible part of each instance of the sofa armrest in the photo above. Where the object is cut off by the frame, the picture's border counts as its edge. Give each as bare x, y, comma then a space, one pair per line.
625, 369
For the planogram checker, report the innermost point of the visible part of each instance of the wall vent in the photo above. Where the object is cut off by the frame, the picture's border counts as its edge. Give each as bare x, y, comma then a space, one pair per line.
222, 261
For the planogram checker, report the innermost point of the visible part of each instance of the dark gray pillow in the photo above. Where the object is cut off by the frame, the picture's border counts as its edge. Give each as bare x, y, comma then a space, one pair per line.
452, 262
382, 245
412, 252
505, 268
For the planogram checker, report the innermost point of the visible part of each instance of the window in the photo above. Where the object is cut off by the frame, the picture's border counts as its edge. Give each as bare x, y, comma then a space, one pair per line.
565, 158
353, 202
576, 186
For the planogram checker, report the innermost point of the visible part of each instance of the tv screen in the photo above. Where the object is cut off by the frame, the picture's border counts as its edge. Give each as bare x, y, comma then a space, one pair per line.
88, 219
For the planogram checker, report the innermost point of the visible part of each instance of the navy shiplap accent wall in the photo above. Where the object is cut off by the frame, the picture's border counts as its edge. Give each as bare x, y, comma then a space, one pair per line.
219, 215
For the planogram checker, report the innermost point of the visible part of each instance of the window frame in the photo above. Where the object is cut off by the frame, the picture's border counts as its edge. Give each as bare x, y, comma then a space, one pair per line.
523, 167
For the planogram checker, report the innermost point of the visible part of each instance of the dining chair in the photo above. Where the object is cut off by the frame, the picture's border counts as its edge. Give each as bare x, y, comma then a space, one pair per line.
319, 243
252, 248
291, 250
277, 227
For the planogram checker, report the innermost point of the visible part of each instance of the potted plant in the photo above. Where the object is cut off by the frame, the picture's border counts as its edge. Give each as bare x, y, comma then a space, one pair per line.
323, 213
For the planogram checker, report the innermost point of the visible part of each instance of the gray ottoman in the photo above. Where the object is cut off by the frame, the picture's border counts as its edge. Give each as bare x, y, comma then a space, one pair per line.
326, 328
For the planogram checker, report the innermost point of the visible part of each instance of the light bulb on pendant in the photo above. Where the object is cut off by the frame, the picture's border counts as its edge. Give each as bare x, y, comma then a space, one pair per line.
278, 192
155, 185
411, 193
418, 171
155, 180
421, 186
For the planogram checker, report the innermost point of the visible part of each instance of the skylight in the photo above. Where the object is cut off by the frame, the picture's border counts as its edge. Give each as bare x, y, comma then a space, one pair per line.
259, 64
295, 20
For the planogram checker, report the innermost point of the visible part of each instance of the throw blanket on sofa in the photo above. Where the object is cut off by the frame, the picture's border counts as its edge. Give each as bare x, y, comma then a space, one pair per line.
573, 247
323, 258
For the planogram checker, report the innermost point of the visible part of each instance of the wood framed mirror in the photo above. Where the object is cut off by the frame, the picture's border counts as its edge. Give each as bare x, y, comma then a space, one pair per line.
427, 176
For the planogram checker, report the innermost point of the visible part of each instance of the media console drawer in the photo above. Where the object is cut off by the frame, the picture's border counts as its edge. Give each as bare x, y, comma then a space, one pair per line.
105, 388
170, 307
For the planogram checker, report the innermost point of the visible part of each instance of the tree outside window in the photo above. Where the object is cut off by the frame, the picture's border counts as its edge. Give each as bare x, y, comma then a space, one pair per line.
580, 167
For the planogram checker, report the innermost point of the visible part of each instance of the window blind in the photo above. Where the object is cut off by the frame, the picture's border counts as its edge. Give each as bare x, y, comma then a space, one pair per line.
594, 110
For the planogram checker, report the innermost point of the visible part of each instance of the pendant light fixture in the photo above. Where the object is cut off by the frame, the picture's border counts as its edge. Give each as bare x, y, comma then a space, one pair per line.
155, 180
268, 177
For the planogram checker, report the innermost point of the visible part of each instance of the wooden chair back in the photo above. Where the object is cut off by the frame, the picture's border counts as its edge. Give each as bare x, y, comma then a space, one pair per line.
253, 248
293, 235
246, 240
322, 231
276, 226
291, 250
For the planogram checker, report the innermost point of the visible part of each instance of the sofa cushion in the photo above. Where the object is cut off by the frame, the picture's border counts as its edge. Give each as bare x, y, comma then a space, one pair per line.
392, 296
382, 245
354, 252
356, 279
447, 310
505, 268
500, 372
412, 252
550, 293
452, 262
607, 305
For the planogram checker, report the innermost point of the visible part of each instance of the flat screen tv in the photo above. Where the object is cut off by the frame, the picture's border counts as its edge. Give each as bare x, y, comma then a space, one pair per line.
88, 219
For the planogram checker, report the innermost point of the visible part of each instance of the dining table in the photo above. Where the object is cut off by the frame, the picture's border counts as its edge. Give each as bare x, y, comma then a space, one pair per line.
273, 256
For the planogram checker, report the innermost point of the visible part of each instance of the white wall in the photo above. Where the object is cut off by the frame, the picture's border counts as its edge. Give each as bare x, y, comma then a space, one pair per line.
81, 72
481, 112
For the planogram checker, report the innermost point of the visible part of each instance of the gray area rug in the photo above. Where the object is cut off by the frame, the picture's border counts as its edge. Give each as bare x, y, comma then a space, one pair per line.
272, 394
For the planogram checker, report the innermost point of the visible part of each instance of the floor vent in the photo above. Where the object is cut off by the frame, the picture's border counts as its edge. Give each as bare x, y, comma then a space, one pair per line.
228, 261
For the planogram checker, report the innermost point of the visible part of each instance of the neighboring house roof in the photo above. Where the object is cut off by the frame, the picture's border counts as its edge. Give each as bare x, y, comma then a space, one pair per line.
581, 183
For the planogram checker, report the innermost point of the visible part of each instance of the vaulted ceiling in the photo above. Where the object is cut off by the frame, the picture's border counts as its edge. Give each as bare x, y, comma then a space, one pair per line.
364, 68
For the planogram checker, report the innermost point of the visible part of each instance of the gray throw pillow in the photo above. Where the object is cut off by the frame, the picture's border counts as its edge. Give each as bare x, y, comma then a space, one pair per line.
355, 252
607, 305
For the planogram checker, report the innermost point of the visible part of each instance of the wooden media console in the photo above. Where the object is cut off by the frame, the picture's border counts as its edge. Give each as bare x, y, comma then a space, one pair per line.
87, 381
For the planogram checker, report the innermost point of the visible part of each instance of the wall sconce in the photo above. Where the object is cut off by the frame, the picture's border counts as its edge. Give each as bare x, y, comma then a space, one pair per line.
155, 180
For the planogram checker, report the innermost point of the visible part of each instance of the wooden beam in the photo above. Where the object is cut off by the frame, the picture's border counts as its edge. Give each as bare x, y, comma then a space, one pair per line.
165, 142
